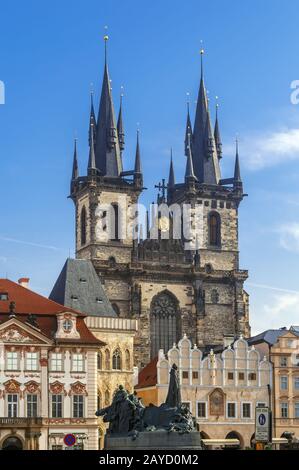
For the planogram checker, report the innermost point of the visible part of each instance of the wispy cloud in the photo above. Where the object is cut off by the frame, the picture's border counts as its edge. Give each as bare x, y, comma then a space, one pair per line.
285, 304
274, 288
23, 242
272, 148
289, 236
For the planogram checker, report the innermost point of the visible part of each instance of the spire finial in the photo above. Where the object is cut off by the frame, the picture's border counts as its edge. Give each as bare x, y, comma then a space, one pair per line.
106, 38
217, 106
202, 51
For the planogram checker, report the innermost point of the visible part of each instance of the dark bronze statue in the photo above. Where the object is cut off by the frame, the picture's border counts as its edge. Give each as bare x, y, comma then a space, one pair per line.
127, 416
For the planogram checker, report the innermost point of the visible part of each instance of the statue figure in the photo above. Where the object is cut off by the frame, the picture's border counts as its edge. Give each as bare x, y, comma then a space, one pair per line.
173, 399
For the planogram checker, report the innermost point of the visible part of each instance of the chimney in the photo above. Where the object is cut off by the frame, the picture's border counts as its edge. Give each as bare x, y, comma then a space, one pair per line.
24, 282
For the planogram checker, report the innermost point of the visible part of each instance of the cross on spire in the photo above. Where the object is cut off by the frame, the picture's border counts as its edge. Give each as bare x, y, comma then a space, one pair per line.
162, 188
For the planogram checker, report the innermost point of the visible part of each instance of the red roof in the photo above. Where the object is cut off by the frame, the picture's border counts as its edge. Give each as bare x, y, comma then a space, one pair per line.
148, 376
27, 301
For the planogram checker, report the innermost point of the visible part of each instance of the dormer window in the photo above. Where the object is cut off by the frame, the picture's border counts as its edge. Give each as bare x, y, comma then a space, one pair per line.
99, 300
67, 325
83, 280
74, 297
3, 296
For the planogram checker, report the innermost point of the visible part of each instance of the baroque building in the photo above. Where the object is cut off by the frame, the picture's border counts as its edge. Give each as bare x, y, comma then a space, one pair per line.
221, 390
173, 285
48, 373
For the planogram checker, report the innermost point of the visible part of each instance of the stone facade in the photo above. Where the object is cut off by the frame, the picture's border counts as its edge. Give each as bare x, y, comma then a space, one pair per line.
221, 390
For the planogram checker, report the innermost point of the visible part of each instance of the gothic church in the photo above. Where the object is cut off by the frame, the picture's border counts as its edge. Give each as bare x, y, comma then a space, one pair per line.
170, 290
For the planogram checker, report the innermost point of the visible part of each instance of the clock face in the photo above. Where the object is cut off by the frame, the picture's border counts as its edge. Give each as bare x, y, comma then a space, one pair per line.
164, 224
67, 325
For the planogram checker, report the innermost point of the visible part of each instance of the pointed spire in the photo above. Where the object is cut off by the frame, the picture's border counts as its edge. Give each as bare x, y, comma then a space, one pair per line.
107, 151
120, 126
237, 174
209, 138
171, 178
188, 129
92, 170
199, 126
75, 172
92, 120
137, 168
189, 174
217, 136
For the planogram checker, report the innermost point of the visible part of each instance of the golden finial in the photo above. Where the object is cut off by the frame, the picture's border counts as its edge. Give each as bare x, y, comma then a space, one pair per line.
217, 103
106, 37
202, 51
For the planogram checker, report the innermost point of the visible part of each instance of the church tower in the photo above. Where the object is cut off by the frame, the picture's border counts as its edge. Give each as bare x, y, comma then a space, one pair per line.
105, 197
191, 284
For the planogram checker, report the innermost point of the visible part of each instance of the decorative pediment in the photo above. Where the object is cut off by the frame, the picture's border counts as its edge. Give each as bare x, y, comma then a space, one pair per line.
78, 388
15, 334
32, 387
12, 386
57, 388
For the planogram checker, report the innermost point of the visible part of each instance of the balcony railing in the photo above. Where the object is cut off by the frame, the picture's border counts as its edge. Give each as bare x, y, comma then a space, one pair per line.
24, 422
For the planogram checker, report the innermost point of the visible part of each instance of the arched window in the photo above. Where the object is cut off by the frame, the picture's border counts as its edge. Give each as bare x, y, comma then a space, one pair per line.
128, 359
116, 360
114, 222
107, 359
165, 322
83, 226
100, 361
214, 229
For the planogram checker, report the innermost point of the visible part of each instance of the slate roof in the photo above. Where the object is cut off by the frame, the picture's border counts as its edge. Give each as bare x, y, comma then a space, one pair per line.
78, 286
268, 336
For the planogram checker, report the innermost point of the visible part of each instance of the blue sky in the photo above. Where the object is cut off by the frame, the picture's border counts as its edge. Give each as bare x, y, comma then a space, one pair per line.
50, 54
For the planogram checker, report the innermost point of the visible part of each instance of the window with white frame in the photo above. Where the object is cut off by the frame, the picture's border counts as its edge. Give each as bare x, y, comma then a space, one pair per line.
31, 361
231, 409
78, 363
283, 382
31, 406
296, 383
56, 362
12, 362
57, 406
12, 405
296, 409
284, 410
246, 410
201, 409
78, 406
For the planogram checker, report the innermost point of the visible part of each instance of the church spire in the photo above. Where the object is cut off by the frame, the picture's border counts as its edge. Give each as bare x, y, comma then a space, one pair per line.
189, 174
137, 168
92, 169
75, 171
188, 129
92, 120
199, 127
237, 174
171, 178
107, 149
217, 136
120, 126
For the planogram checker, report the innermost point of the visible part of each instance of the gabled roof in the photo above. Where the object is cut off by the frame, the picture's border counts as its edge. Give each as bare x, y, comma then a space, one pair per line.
148, 376
29, 303
79, 286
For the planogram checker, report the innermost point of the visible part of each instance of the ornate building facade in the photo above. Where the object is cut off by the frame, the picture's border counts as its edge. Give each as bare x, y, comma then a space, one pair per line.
221, 390
48, 373
172, 285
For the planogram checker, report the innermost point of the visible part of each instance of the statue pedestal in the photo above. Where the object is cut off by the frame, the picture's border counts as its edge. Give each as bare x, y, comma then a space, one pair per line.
155, 440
